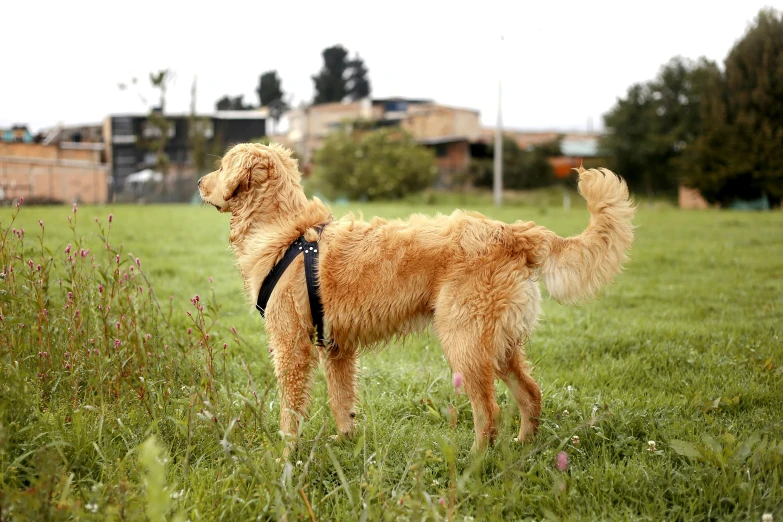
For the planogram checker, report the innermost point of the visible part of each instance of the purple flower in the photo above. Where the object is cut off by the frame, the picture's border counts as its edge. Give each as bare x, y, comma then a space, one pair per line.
111, 218
68, 249
138, 262
562, 461
458, 382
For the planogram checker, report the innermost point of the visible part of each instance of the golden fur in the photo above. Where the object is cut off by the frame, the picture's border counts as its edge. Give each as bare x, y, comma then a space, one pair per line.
473, 278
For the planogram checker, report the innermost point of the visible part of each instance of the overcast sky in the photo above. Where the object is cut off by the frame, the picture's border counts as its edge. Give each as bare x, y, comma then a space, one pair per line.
563, 62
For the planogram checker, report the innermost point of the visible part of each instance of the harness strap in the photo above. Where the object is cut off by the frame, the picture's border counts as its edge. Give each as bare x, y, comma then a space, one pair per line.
310, 251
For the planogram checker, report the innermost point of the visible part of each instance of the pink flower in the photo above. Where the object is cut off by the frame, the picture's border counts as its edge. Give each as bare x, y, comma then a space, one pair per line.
74, 208
233, 329
458, 382
68, 249
190, 331
206, 337
40, 223
21, 200
210, 279
562, 461
100, 288
138, 262
225, 345
111, 217
96, 219
117, 259
442, 501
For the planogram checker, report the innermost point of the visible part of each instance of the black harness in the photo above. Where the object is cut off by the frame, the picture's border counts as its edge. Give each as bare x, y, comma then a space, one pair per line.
310, 251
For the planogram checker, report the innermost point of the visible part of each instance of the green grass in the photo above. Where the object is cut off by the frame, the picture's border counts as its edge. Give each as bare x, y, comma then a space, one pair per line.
684, 349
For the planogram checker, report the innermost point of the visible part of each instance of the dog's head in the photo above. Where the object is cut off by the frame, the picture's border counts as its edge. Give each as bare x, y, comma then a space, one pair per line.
245, 169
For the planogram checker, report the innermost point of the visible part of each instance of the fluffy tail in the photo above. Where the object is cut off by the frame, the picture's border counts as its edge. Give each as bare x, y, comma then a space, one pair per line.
577, 267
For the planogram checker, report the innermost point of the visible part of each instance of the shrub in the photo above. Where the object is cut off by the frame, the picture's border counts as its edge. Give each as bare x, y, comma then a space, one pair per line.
379, 164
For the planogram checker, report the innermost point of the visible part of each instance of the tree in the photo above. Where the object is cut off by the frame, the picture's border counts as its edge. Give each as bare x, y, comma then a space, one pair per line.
236, 103
357, 86
340, 78
738, 153
522, 169
270, 95
380, 164
651, 127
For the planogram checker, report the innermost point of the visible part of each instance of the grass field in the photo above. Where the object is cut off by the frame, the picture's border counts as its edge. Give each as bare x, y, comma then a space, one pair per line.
111, 408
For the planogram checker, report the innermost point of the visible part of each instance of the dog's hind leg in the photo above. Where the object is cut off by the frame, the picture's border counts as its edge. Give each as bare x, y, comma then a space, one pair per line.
340, 368
514, 372
470, 354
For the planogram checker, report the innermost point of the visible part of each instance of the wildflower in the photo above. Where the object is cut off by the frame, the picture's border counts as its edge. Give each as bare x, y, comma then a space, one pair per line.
435, 482
92, 507
74, 208
442, 501
225, 345
40, 354
111, 217
149, 336
30, 263
68, 249
299, 463
190, 331
67, 366
92, 341
188, 312
77, 314
38, 268
651, 446
100, 288
96, 219
458, 382
562, 461
141, 289
45, 312
66, 355
117, 343
206, 337
70, 296
138, 262
21, 200
233, 329
171, 298
575, 440
210, 279
117, 259
84, 253
766, 517
40, 223
565, 413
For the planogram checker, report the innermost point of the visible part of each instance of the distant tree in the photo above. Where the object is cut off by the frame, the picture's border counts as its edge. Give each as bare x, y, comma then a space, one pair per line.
522, 169
160, 81
196, 135
236, 103
650, 128
270, 95
379, 164
340, 78
357, 86
738, 153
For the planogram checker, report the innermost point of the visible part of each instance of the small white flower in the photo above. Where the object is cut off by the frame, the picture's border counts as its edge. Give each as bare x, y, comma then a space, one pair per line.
766, 517
565, 413
92, 507
178, 494
651, 446
575, 440
435, 482
299, 463
570, 388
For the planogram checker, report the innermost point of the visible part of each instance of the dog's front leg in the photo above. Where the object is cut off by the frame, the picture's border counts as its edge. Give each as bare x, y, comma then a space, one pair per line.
294, 361
340, 366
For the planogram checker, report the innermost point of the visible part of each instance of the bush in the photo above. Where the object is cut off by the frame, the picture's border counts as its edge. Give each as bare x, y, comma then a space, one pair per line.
521, 169
379, 164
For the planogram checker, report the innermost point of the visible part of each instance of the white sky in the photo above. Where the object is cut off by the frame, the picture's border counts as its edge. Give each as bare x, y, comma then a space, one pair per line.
564, 61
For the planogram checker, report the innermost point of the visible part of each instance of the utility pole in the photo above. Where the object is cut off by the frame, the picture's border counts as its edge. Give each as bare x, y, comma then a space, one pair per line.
497, 185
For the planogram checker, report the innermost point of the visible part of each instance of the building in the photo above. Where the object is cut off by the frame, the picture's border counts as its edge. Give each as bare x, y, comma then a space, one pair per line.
16, 134
65, 172
447, 130
132, 141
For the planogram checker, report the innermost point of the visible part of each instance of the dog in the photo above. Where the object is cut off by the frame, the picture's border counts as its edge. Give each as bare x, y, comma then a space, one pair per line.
474, 279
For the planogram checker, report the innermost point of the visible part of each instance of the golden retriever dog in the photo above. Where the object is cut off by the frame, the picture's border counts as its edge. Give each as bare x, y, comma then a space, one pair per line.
474, 279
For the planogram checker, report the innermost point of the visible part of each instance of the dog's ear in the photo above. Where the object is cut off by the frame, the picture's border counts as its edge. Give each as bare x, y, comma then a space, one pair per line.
238, 172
